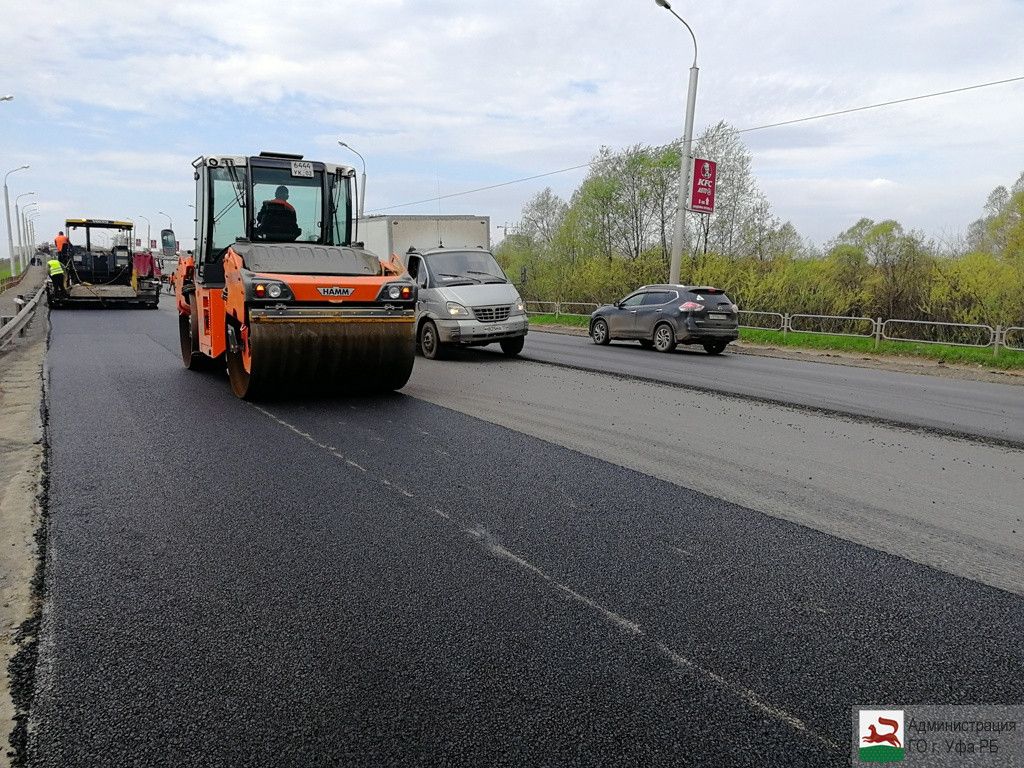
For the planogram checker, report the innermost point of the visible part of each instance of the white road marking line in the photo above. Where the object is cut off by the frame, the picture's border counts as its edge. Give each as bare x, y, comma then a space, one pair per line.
748, 696
483, 537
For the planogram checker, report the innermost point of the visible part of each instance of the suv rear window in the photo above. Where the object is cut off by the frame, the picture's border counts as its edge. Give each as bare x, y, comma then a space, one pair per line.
709, 297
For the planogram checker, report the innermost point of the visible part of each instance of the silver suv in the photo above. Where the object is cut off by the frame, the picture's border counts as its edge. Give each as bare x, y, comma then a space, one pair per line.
464, 300
662, 316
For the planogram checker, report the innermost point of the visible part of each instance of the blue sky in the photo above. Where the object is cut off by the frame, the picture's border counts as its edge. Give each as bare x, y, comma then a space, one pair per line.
113, 99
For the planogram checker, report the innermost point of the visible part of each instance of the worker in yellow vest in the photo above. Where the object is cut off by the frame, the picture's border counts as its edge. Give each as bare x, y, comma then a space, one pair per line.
56, 276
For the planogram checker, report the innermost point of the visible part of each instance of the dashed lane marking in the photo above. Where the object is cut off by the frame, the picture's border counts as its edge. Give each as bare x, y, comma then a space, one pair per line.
487, 540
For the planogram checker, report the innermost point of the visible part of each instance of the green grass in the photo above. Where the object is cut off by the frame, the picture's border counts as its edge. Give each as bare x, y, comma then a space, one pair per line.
578, 321
1007, 359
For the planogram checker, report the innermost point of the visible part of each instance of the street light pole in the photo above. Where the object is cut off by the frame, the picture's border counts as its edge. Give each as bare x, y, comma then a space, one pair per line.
21, 244
149, 232
23, 227
7, 210
685, 162
30, 233
362, 186
170, 224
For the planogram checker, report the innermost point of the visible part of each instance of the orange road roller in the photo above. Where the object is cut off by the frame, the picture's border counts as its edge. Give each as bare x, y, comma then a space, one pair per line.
280, 293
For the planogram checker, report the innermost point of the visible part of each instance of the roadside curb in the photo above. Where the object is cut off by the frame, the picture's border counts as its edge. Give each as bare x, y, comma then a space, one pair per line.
909, 364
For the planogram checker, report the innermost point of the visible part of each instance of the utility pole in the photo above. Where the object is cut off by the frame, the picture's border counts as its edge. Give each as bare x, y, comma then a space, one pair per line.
686, 161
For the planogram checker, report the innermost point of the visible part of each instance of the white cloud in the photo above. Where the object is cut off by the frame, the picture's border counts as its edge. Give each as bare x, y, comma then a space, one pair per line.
471, 93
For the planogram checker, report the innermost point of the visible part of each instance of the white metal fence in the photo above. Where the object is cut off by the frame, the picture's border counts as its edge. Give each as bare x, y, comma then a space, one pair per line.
558, 308
976, 335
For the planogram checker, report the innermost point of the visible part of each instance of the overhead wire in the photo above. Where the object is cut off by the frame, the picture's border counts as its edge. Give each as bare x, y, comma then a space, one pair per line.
742, 130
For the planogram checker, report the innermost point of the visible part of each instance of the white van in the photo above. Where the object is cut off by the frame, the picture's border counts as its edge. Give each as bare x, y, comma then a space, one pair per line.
464, 300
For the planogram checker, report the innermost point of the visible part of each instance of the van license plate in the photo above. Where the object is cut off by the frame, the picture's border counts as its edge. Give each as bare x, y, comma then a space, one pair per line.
716, 316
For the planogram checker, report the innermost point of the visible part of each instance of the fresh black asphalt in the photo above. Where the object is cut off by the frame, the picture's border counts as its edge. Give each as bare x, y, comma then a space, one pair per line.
383, 581
961, 407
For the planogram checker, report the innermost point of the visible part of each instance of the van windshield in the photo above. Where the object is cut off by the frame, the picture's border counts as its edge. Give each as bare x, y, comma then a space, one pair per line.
478, 266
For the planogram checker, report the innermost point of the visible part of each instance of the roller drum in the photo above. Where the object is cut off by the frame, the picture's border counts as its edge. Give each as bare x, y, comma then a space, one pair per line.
344, 356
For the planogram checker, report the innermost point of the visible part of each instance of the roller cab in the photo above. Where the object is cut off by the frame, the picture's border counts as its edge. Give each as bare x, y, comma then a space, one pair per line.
279, 294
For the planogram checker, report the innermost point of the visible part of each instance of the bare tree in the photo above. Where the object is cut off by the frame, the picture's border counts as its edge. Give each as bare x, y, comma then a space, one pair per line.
543, 215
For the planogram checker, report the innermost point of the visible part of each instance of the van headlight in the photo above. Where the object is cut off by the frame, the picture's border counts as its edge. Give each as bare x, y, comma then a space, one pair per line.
518, 308
457, 310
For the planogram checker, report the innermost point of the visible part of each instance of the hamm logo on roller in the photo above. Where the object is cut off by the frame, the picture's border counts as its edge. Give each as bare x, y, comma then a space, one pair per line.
880, 737
336, 291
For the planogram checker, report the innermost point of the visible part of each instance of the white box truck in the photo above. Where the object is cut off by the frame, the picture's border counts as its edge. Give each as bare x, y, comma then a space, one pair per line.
465, 300
386, 236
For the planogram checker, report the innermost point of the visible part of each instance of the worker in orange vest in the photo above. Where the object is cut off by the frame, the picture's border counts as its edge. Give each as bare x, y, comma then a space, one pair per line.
62, 243
282, 223
281, 198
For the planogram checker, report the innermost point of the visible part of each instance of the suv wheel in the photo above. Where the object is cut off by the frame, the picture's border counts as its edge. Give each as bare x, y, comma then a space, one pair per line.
715, 347
664, 338
599, 332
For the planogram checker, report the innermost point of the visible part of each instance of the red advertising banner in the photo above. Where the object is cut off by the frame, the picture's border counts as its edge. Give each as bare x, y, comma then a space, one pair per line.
702, 195
138, 242
152, 243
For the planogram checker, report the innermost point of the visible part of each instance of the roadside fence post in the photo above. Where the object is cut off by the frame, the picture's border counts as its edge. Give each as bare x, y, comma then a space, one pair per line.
558, 308
785, 324
878, 331
996, 337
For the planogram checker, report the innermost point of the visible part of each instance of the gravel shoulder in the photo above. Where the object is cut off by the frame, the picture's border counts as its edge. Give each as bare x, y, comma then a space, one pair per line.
21, 484
835, 357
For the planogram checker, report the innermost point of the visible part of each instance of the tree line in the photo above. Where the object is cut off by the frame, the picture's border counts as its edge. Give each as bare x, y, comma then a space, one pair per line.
615, 233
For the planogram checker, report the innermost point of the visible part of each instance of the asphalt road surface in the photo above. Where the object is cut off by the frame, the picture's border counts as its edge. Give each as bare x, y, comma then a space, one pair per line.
391, 581
994, 411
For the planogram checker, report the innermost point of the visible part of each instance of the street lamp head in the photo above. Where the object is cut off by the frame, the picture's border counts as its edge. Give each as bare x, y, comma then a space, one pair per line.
664, 4
8, 97
343, 144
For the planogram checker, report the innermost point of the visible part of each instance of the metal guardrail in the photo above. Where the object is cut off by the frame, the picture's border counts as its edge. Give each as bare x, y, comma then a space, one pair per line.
1012, 332
557, 308
939, 327
986, 336
16, 325
781, 326
856, 326
840, 321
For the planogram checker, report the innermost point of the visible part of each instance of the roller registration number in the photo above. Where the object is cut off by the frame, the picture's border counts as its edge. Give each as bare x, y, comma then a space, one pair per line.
302, 170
